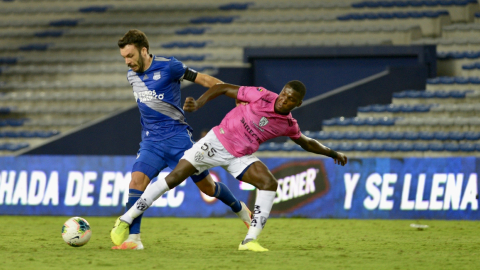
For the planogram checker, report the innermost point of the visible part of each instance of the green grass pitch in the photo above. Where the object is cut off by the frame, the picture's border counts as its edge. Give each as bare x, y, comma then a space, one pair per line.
211, 243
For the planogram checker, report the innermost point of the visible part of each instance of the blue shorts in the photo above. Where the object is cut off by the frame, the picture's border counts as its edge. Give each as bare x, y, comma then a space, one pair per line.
154, 156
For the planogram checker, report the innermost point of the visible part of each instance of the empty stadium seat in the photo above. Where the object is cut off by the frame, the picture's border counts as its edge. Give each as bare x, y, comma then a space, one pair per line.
212, 33
421, 147
360, 146
390, 147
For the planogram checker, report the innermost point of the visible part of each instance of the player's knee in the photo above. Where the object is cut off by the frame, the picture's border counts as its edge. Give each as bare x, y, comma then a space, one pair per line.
207, 185
171, 178
208, 189
174, 179
269, 184
139, 185
139, 181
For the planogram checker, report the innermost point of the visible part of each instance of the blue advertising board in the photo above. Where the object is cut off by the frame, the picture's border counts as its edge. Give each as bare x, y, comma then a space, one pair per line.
314, 187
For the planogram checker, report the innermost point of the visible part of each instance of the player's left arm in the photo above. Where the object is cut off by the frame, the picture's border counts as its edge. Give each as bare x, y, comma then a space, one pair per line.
312, 145
226, 89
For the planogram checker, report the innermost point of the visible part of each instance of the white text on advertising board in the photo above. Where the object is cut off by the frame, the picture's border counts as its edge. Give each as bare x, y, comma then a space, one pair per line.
446, 191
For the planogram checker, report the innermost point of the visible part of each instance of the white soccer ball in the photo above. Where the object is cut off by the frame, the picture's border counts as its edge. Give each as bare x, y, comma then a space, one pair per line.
76, 232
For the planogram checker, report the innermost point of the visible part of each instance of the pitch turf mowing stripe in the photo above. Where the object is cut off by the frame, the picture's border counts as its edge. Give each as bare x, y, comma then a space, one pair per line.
211, 243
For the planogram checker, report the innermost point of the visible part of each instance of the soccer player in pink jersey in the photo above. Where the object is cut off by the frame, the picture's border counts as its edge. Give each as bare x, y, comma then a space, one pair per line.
261, 115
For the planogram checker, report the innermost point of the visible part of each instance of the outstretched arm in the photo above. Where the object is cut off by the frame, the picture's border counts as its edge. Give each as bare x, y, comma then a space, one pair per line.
229, 90
206, 80
314, 146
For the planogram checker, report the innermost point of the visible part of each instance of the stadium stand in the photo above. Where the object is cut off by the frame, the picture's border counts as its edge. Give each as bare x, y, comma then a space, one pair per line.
60, 69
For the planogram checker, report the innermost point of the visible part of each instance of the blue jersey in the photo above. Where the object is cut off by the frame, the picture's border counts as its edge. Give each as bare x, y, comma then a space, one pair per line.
157, 92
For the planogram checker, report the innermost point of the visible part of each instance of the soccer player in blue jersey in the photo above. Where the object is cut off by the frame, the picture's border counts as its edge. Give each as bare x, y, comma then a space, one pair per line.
165, 134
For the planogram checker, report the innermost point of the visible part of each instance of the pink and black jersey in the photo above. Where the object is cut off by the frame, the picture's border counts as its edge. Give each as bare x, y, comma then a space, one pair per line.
245, 127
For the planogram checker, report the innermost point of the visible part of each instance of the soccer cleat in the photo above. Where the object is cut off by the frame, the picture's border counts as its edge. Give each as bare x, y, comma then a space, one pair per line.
245, 215
134, 245
120, 232
253, 245
133, 242
129, 245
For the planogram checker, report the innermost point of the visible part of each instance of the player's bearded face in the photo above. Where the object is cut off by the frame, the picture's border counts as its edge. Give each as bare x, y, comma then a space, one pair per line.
139, 64
133, 58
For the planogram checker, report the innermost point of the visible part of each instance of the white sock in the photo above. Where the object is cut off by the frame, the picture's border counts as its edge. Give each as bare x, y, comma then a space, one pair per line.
151, 194
263, 206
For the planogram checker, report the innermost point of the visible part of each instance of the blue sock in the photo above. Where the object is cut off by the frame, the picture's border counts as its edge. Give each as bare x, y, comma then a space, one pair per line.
226, 196
133, 196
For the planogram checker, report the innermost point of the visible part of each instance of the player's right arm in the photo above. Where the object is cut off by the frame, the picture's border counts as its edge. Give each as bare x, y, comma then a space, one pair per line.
314, 146
206, 80
230, 90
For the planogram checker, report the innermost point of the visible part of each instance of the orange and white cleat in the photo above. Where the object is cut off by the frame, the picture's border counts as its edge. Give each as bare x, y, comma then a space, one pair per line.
133, 242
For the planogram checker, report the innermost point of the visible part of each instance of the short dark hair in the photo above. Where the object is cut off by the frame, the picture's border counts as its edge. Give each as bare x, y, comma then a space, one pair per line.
298, 86
136, 38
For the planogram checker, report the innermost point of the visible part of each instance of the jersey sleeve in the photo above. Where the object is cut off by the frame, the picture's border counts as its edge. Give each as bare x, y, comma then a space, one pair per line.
250, 93
294, 131
177, 69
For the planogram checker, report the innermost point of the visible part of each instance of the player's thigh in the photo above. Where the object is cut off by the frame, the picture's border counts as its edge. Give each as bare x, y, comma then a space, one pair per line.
260, 176
202, 178
207, 153
149, 162
238, 166
177, 146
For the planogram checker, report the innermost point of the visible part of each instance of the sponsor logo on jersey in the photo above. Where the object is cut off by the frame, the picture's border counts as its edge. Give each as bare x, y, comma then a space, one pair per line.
157, 76
249, 131
265, 100
222, 131
298, 184
263, 121
148, 95
259, 89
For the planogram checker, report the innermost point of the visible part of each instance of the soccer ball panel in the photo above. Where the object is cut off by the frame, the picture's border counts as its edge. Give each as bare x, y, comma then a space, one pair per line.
76, 232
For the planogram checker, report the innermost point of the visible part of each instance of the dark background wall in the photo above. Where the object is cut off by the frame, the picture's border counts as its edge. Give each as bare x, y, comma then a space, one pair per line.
321, 75
326, 68
321, 70
345, 104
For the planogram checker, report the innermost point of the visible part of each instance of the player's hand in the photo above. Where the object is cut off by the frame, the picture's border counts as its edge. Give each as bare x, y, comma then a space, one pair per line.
341, 159
190, 105
238, 103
